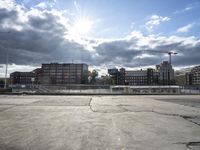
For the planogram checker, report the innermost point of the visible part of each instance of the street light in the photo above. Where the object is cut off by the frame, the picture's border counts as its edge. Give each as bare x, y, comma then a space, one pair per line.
5, 85
6, 71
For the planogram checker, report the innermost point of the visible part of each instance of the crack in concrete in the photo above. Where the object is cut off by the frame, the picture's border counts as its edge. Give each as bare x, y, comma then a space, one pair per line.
90, 106
124, 110
127, 110
188, 118
190, 145
179, 103
168, 114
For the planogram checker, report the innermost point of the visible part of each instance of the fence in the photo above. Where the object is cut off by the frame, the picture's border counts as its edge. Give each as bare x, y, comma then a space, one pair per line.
104, 89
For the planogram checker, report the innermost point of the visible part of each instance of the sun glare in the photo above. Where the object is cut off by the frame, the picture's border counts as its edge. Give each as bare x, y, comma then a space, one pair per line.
81, 27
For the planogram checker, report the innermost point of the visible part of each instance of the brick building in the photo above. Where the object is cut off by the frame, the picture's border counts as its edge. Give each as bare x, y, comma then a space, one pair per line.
134, 77
53, 74
22, 78
70, 73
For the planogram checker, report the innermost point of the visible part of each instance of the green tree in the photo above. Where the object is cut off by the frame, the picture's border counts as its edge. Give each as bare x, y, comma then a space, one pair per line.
92, 76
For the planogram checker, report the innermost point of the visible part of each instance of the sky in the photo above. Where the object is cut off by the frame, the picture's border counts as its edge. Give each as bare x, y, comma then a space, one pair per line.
102, 33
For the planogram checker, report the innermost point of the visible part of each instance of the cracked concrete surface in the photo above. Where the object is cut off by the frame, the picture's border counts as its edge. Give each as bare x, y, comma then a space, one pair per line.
99, 122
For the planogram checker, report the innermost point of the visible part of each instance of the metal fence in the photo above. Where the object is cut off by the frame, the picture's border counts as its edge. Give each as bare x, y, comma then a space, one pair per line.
103, 89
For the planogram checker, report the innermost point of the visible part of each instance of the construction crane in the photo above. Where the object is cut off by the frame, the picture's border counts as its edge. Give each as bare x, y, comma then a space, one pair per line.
170, 53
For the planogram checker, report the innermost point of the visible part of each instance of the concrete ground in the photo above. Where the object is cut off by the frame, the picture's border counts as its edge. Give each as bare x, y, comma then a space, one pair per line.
99, 122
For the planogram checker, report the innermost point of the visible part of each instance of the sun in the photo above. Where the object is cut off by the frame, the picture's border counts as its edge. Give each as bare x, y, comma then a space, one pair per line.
81, 27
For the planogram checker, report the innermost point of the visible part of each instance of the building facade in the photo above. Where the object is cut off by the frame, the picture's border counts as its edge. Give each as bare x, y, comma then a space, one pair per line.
122, 73
114, 76
181, 79
53, 74
166, 73
188, 78
141, 77
138, 77
134, 77
70, 73
193, 78
162, 75
22, 78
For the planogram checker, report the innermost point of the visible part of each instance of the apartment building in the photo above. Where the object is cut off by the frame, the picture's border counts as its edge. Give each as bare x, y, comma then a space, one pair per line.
22, 78
53, 73
67, 73
193, 78
134, 77
141, 77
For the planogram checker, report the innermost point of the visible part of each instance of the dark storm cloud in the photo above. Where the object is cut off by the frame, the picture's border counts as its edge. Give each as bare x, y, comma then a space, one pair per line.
40, 40
111, 50
119, 52
188, 56
47, 22
6, 14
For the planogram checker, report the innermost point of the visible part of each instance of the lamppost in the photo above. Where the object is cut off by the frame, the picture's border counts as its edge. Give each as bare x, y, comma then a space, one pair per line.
6, 71
5, 85
1, 67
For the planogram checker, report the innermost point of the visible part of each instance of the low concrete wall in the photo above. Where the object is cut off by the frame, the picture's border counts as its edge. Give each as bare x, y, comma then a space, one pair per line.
4, 91
103, 89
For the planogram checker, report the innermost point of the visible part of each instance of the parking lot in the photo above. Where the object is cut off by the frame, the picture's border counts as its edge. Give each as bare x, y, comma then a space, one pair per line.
100, 122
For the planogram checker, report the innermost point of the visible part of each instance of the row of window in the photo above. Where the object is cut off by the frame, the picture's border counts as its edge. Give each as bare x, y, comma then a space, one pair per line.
62, 71
61, 68
135, 78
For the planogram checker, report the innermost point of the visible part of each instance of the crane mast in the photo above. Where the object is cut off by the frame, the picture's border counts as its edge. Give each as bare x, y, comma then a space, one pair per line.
170, 53
170, 56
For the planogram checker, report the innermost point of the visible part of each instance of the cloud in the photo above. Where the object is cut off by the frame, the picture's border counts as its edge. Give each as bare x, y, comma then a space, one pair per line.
185, 28
139, 50
43, 36
14, 67
154, 21
132, 25
42, 5
76, 5
187, 8
183, 10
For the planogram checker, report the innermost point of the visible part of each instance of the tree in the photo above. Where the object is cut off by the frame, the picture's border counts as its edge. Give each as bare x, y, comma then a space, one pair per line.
92, 76
2, 83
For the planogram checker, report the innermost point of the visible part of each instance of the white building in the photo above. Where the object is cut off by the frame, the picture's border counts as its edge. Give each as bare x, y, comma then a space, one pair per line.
195, 75
166, 73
